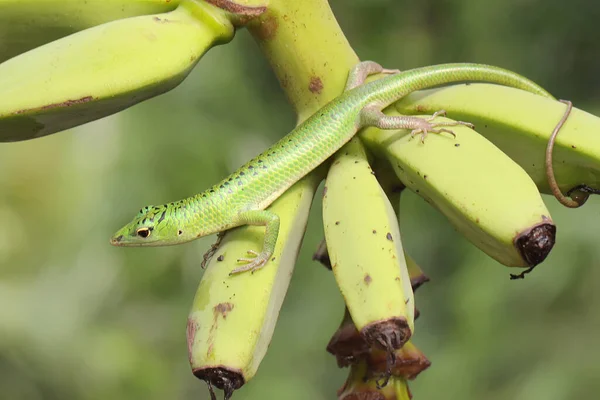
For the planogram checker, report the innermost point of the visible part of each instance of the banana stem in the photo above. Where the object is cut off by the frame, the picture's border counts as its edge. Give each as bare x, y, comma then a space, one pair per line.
306, 49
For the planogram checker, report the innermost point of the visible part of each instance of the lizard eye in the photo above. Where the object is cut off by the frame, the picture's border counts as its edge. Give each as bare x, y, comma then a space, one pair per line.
143, 232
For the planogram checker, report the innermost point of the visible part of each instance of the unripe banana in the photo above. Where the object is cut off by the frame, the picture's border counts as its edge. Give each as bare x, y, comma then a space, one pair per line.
485, 195
360, 386
26, 24
363, 239
232, 318
105, 69
520, 124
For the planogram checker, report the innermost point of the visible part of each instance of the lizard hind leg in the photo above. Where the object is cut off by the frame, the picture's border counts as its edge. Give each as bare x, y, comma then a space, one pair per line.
372, 116
364, 69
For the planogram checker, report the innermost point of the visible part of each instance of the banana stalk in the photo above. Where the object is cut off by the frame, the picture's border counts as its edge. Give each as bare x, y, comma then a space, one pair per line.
105, 69
520, 124
232, 318
363, 239
485, 195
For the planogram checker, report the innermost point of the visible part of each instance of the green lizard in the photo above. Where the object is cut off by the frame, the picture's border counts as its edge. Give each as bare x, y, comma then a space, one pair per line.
242, 198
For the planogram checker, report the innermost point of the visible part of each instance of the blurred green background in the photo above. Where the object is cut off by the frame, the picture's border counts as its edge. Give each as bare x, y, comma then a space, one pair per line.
80, 319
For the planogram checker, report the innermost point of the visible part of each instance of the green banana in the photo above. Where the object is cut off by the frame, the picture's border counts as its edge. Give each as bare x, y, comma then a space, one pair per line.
105, 69
363, 239
27, 24
485, 195
520, 123
232, 318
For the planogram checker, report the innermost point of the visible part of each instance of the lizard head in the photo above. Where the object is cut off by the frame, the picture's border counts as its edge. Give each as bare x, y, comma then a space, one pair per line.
150, 227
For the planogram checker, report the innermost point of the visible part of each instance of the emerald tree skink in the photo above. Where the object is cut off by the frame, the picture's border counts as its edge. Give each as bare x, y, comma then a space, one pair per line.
242, 198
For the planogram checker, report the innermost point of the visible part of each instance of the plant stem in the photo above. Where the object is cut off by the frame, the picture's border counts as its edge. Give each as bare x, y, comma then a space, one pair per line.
307, 50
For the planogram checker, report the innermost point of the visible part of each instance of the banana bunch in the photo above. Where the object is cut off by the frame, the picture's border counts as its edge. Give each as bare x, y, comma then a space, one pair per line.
233, 317
104, 69
26, 24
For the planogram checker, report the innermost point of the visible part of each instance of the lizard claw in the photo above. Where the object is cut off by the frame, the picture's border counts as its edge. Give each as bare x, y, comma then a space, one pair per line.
439, 113
425, 126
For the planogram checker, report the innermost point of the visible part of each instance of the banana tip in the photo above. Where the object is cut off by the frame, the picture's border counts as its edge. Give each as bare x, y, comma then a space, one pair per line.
226, 379
535, 244
390, 334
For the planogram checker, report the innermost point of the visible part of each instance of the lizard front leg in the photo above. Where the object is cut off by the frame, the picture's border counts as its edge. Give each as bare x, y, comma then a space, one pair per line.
270, 221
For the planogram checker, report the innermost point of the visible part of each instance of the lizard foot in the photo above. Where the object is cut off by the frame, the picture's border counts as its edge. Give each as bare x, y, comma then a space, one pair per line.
254, 264
425, 126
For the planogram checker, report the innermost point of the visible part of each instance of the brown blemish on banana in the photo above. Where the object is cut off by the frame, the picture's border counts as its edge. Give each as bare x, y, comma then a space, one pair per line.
162, 20
223, 309
66, 103
534, 245
266, 28
368, 279
192, 328
315, 85
389, 237
238, 9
